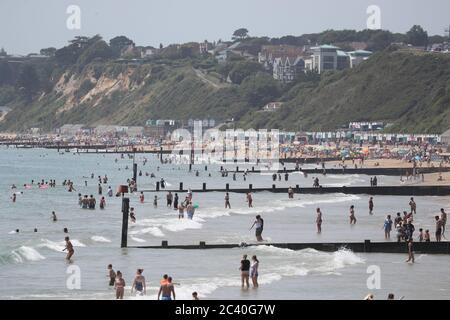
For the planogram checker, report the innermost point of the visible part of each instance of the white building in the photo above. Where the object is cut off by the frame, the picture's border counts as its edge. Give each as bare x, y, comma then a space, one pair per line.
286, 69
358, 56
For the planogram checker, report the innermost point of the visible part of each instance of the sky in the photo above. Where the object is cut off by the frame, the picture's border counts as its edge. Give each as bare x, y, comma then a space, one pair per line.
26, 26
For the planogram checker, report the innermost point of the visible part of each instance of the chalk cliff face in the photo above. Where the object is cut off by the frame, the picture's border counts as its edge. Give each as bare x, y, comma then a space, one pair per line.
410, 90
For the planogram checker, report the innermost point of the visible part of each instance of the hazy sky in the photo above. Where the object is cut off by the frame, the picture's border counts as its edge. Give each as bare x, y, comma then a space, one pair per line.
29, 25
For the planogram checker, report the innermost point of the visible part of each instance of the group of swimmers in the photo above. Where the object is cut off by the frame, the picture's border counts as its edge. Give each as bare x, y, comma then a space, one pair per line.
139, 287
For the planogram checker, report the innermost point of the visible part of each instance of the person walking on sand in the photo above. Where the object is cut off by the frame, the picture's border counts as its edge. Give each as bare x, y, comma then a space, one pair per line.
352, 215
413, 206
387, 227
245, 271
410, 251
371, 205
69, 248
167, 290
139, 283
319, 220
119, 285
227, 201
259, 223
254, 271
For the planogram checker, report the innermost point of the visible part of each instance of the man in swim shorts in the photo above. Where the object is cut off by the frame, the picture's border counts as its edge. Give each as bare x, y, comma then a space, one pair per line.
167, 290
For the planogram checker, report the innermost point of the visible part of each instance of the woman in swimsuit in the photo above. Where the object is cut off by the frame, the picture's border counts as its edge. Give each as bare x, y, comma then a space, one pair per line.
139, 283
254, 271
119, 285
69, 248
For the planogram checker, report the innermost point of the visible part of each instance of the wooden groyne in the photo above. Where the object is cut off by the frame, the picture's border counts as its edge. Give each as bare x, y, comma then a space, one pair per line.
380, 190
362, 247
365, 171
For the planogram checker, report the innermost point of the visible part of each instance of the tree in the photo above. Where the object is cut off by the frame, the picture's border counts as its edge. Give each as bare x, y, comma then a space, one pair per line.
240, 34
6, 73
380, 40
119, 43
28, 81
417, 36
99, 49
49, 52
243, 69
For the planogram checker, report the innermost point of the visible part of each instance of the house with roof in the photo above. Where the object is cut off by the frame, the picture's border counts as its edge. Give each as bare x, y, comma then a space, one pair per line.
286, 69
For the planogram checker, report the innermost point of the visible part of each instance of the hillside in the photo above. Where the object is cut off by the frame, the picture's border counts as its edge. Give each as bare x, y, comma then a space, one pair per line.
407, 89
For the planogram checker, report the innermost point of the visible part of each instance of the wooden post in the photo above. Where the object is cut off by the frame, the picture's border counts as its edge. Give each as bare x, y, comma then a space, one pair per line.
202, 244
367, 247
250, 187
273, 187
157, 185
135, 173
125, 209
227, 186
164, 244
204, 186
181, 186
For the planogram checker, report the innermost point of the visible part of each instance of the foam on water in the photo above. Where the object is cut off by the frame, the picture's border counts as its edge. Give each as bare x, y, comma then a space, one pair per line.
100, 239
137, 239
21, 255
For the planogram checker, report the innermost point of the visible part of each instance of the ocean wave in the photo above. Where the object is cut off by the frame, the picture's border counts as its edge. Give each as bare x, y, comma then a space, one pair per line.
21, 255
58, 246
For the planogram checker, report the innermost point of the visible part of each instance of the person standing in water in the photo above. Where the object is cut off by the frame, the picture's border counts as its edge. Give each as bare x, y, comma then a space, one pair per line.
227, 201
139, 283
141, 197
167, 290
155, 202
410, 251
254, 271
175, 201
69, 248
54, 218
119, 285
102, 203
290, 193
413, 206
387, 227
132, 215
245, 271
111, 275
443, 221
259, 223
319, 220
169, 199
352, 215
250, 200
371, 205
438, 232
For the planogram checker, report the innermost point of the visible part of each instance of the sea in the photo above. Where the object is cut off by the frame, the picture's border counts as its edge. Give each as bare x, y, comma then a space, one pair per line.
33, 265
